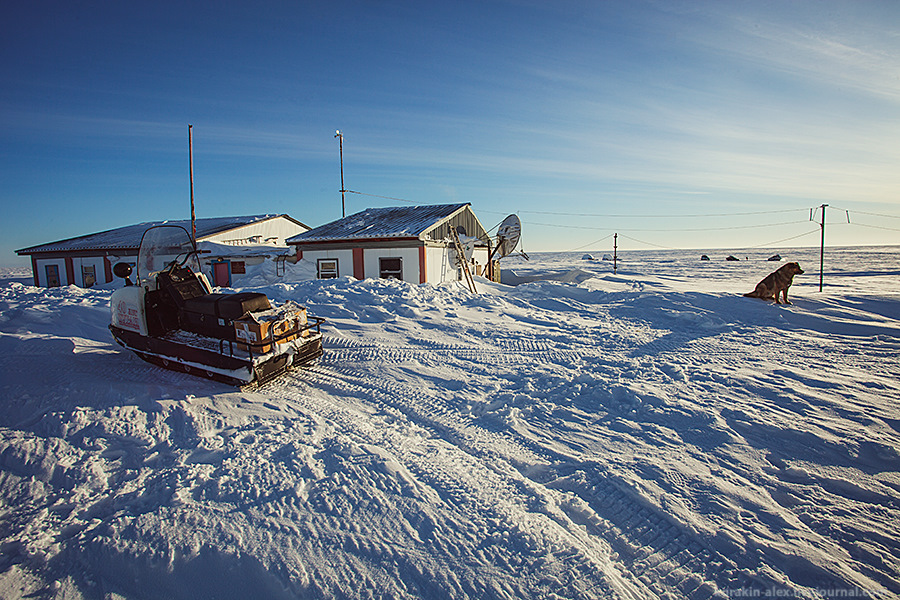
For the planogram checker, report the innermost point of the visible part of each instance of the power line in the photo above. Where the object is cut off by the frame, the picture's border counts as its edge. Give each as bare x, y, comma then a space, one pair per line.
692, 216
591, 244
377, 196
872, 226
860, 212
679, 229
877, 214
784, 240
671, 248
648, 243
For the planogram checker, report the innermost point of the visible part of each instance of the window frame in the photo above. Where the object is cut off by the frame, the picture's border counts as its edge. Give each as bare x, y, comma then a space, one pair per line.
327, 272
384, 273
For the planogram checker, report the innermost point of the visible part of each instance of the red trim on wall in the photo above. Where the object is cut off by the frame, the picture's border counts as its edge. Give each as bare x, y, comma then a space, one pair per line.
34, 271
359, 269
70, 271
423, 274
299, 254
107, 269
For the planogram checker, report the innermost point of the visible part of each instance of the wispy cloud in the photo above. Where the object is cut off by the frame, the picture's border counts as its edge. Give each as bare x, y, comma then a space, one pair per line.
837, 50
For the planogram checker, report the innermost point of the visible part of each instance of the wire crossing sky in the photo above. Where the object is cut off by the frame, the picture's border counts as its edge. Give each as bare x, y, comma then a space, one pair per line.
586, 118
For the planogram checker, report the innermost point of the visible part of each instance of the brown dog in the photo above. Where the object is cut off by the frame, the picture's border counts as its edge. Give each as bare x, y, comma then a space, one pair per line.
776, 283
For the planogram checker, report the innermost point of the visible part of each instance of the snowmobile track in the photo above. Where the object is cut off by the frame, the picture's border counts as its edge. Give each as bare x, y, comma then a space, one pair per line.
340, 351
663, 555
468, 474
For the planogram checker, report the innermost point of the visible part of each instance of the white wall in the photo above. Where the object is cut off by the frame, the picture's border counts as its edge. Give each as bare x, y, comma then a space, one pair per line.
410, 257
42, 271
344, 258
99, 269
441, 263
438, 265
480, 255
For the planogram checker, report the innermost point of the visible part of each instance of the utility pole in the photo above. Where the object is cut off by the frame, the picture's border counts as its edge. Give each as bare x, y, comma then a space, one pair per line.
822, 251
615, 249
340, 135
191, 158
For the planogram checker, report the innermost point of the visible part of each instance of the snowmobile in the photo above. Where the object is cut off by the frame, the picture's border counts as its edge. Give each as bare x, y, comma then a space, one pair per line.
171, 317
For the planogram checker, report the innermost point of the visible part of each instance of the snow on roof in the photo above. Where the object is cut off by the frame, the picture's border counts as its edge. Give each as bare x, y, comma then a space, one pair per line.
390, 222
213, 250
129, 237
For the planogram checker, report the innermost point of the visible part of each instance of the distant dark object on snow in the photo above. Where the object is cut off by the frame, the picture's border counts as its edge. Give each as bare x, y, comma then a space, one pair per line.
732, 258
587, 257
775, 258
607, 257
704, 257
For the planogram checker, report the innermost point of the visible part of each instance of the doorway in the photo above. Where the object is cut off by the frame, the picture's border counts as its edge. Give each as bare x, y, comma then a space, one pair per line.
52, 272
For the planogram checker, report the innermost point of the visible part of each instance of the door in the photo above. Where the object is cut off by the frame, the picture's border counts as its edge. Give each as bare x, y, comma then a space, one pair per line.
52, 272
88, 276
221, 274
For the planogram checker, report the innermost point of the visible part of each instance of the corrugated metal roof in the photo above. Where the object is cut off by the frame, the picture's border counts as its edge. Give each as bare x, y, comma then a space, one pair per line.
391, 222
130, 236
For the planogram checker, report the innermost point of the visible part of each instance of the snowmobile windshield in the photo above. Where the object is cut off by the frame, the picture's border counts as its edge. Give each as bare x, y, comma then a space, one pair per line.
164, 246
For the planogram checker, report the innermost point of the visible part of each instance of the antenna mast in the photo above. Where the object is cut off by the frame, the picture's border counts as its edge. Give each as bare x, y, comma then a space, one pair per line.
191, 158
340, 135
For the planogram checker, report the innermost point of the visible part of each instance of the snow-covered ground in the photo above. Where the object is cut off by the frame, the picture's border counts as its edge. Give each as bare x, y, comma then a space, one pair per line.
644, 434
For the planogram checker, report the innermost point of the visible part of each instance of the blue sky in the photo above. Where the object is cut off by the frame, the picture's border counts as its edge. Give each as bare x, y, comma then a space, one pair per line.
675, 124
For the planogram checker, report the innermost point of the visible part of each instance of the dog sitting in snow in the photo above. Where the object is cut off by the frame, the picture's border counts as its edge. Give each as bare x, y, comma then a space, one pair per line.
776, 283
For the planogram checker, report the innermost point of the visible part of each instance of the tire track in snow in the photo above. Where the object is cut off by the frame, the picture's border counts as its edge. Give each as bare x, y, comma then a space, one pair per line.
673, 558
476, 482
669, 558
341, 350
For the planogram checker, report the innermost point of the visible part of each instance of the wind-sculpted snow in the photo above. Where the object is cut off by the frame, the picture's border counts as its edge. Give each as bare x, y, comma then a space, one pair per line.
644, 434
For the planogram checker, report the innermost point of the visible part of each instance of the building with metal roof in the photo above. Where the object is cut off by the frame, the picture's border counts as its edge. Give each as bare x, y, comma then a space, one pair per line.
87, 260
412, 243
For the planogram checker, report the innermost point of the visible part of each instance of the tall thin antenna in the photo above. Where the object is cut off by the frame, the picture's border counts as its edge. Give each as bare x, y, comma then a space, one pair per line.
340, 135
191, 157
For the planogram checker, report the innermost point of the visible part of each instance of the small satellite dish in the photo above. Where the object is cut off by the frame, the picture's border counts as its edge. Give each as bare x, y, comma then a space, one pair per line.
508, 235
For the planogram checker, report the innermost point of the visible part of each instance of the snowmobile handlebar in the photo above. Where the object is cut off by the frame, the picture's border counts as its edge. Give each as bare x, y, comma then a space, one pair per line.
180, 262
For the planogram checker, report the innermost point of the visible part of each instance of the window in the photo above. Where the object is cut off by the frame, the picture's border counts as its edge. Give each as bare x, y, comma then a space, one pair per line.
88, 276
390, 268
327, 268
238, 267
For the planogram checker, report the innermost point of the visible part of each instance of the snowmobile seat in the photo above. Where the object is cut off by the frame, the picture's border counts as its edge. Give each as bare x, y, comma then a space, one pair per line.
213, 314
228, 306
235, 306
204, 305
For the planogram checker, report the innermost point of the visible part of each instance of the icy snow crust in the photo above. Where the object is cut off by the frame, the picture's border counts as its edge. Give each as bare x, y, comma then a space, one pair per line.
645, 434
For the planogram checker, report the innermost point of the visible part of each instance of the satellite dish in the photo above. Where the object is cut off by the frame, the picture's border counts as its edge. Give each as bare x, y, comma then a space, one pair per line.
508, 235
